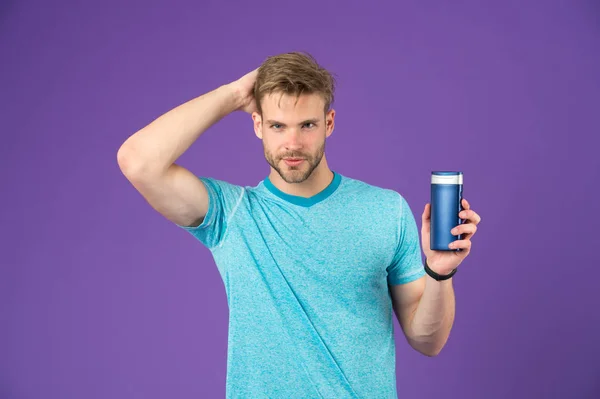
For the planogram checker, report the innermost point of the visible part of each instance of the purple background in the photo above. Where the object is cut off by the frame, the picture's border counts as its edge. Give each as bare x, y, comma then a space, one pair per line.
101, 297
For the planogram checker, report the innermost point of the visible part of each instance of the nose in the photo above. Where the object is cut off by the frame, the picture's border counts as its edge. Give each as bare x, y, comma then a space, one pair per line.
293, 139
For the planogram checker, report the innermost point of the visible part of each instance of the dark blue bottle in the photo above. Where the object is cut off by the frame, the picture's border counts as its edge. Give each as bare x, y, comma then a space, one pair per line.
446, 203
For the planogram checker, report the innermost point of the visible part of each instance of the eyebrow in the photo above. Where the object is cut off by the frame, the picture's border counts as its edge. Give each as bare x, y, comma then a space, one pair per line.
273, 122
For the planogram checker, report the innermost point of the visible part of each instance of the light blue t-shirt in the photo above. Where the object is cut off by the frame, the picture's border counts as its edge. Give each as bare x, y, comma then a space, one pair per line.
310, 311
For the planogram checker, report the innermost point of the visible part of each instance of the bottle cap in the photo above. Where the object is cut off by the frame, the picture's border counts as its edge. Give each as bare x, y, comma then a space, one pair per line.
446, 177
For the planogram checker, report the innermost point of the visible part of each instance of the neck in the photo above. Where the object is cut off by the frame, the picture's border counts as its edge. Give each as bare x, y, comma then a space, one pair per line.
319, 179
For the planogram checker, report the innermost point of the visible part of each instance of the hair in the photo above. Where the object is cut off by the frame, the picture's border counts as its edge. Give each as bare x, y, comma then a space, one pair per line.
294, 73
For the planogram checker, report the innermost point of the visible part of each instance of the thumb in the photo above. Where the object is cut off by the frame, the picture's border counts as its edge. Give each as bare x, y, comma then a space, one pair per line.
426, 219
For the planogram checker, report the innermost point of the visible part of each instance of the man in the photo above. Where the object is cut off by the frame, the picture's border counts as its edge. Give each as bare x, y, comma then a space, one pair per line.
314, 263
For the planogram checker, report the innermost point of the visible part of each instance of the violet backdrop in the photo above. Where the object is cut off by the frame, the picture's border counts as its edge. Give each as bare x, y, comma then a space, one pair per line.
101, 297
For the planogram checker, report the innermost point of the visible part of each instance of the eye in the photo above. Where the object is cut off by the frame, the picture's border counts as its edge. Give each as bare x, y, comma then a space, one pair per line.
275, 126
309, 123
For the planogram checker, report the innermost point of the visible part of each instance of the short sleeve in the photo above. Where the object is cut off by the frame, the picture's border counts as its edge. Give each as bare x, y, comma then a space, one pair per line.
407, 264
223, 200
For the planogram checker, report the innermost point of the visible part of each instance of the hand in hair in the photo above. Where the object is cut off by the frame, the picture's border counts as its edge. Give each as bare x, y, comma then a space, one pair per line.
244, 89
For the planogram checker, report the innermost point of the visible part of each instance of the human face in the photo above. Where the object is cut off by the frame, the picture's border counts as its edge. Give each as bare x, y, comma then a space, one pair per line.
293, 128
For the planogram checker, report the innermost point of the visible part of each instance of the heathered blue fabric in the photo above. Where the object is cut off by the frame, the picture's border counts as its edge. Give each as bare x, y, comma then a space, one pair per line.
310, 313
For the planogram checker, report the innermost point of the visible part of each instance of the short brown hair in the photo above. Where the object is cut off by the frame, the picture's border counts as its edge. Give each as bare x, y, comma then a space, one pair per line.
294, 73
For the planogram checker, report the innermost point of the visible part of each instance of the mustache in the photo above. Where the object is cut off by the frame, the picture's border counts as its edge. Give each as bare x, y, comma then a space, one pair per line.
293, 155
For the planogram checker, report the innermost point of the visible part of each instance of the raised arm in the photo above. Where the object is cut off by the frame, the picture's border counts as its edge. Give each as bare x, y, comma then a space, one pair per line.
148, 157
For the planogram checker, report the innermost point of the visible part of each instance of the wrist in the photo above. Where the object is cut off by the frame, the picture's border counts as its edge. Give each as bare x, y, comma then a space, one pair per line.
437, 267
234, 94
437, 273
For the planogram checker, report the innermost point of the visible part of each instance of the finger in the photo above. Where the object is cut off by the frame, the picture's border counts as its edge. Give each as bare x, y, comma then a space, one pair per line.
426, 213
467, 228
425, 219
460, 244
465, 204
470, 216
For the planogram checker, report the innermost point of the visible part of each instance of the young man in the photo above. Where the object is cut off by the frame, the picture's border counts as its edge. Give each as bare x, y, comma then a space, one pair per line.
314, 263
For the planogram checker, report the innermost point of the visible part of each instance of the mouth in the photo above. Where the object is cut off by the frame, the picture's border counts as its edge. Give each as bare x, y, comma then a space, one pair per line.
293, 161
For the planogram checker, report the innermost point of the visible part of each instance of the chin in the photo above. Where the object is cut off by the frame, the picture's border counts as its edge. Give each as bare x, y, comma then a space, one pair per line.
294, 175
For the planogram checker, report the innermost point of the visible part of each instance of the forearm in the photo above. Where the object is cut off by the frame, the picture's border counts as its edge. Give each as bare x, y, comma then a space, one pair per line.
154, 148
432, 321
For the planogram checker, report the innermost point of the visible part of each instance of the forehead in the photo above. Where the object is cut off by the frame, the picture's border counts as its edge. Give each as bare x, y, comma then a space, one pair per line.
279, 105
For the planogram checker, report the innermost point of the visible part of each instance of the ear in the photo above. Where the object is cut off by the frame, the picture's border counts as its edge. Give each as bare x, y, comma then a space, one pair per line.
329, 122
257, 124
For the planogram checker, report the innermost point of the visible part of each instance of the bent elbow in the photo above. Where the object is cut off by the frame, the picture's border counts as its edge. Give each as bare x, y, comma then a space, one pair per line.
130, 164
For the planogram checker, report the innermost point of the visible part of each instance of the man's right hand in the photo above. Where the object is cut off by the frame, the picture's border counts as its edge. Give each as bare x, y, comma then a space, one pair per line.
244, 90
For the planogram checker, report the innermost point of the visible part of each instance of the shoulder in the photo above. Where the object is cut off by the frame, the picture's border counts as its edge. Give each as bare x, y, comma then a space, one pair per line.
372, 194
225, 186
223, 193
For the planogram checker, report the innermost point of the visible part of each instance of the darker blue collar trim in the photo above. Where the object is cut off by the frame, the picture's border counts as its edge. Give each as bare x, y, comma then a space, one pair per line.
303, 201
